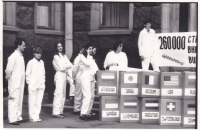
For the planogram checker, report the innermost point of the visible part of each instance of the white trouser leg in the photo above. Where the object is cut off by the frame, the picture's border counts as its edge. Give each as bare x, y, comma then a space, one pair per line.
92, 87
59, 93
72, 87
154, 64
145, 63
13, 103
32, 102
85, 84
40, 94
78, 94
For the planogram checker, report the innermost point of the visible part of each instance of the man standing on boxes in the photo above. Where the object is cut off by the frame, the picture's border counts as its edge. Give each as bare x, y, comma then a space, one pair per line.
15, 74
147, 47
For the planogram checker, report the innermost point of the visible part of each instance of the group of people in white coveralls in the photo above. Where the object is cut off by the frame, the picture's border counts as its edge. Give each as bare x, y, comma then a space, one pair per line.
81, 75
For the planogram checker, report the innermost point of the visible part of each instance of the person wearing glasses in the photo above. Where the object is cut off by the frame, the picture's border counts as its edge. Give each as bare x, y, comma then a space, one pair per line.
116, 57
35, 78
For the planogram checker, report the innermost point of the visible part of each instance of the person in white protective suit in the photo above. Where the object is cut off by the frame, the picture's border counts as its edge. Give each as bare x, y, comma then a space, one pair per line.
146, 46
87, 82
77, 72
15, 74
61, 65
35, 78
116, 57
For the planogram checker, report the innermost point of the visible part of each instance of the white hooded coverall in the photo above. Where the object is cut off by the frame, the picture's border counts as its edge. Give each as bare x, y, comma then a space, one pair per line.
146, 46
35, 78
60, 63
88, 84
15, 71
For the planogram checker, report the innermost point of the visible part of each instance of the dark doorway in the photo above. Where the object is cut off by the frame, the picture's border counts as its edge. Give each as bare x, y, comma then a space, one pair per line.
183, 17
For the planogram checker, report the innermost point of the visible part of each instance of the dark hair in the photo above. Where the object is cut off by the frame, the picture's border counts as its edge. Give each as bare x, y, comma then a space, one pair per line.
80, 47
56, 49
18, 41
115, 46
146, 21
85, 48
37, 49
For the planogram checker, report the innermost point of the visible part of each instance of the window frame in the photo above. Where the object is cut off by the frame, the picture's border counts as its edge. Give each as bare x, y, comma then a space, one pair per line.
50, 30
9, 24
95, 27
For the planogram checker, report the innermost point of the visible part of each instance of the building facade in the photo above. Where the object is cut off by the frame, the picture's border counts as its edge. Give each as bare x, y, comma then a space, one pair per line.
76, 23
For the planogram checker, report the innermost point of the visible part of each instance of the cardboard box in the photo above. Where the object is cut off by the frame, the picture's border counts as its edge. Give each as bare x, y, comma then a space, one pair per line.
109, 108
171, 87
149, 110
128, 83
129, 109
107, 83
170, 112
189, 85
149, 84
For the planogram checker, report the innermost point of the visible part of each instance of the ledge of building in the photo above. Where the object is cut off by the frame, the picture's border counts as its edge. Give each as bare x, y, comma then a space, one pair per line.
10, 28
51, 32
109, 32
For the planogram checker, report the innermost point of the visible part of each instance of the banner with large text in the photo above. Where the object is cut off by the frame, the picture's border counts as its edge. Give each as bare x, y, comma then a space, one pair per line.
176, 49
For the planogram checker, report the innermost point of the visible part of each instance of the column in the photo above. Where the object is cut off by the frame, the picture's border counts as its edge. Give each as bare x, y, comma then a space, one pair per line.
68, 29
165, 25
192, 17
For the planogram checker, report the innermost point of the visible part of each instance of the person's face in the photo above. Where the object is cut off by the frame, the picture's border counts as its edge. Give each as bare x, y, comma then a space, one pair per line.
59, 47
94, 51
22, 46
37, 55
148, 26
120, 47
89, 50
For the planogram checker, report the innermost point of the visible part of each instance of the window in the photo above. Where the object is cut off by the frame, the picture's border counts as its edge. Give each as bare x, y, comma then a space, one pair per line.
9, 16
111, 18
49, 18
115, 15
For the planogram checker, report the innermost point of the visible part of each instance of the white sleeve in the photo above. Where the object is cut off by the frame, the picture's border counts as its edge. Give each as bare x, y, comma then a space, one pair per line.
76, 67
140, 43
57, 63
125, 60
10, 66
107, 59
85, 61
28, 72
43, 68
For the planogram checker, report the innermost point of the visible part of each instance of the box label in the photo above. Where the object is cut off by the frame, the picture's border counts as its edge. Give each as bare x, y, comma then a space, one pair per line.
171, 92
170, 119
112, 105
150, 91
129, 91
129, 116
107, 89
109, 114
189, 120
150, 115
190, 92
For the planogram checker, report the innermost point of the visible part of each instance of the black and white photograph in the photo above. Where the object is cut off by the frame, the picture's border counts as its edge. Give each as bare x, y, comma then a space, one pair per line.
99, 64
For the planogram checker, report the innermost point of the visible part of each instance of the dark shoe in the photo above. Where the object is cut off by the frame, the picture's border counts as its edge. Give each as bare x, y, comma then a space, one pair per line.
76, 112
65, 115
22, 121
14, 123
90, 117
58, 116
83, 117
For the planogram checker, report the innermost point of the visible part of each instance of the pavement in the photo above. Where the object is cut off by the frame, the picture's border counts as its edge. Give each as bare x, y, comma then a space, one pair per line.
72, 121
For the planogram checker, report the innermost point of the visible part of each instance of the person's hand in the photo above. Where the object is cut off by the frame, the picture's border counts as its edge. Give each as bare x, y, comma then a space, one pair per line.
7, 77
142, 58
